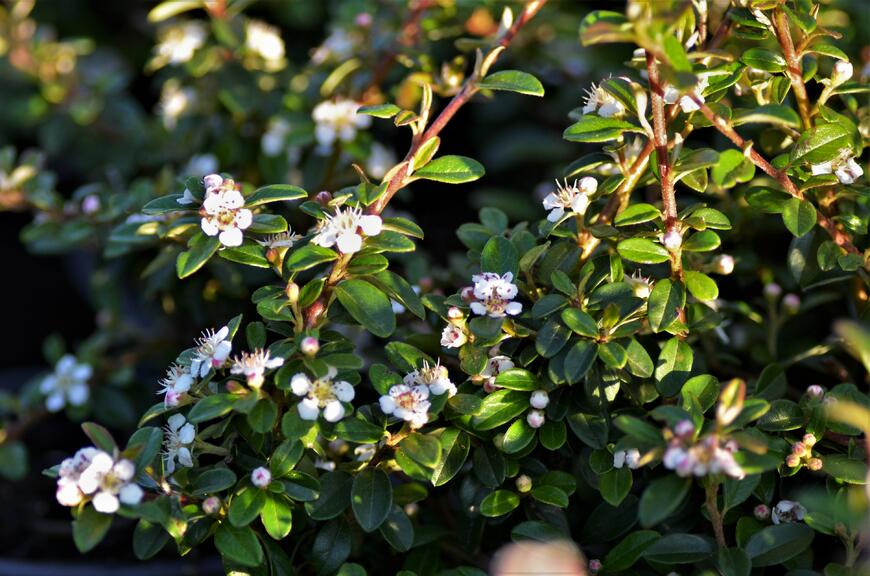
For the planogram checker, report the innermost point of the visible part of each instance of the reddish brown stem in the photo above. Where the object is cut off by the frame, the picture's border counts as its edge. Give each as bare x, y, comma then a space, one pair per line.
793, 66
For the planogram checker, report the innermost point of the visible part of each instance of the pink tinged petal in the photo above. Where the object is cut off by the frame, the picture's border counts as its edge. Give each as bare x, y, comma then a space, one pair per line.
343, 391
371, 225
588, 185
233, 199
131, 494
333, 411
184, 457
172, 399
209, 227
243, 219
183, 383
78, 394
212, 181
300, 384
106, 502
514, 308
551, 201
55, 402
349, 242
308, 409
231, 237
388, 405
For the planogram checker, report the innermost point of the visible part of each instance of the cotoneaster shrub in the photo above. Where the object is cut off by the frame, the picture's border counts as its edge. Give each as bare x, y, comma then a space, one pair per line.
591, 383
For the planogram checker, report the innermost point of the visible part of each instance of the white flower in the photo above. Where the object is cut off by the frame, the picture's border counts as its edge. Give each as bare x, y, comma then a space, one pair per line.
600, 101
109, 483
687, 103
380, 160
338, 46
724, 264
495, 366
283, 240
177, 44
844, 167
408, 403
787, 511
630, 458
68, 491
68, 384
174, 102
453, 336
708, 456
575, 198
322, 464
178, 381
322, 395
641, 287
539, 399
337, 120
435, 377
178, 442
212, 351
843, 71
264, 41
494, 295
253, 365
274, 138
260, 477
343, 229
535, 418
223, 213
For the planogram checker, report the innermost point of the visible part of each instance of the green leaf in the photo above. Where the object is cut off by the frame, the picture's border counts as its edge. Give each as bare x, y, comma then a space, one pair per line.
399, 289
249, 254
489, 465
500, 407
89, 528
820, 144
285, 457
277, 516
210, 407
499, 256
551, 495
643, 251
733, 167
676, 54
580, 322
704, 241
380, 110
308, 256
761, 59
275, 193
580, 358
163, 205
734, 562
398, 530
202, 248
455, 445
332, 546
14, 460
703, 388
799, 216
517, 436
425, 450
674, 367
499, 503
629, 550
169, 8
513, 81
552, 435
212, 481
777, 544
679, 549
638, 429
101, 437
357, 430
263, 416
371, 498
661, 498
603, 26
517, 379
367, 305
845, 469
701, 286
589, 428
637, 214
639, 362
777, 114
664, 304
552, 337
239, 545
767, 200
783, 415
615, 485
148, 539
594, 128
334, 496
450, 170
246, 505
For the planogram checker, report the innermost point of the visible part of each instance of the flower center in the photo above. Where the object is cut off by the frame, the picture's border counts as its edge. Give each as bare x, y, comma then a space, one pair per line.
322, 391
406, 400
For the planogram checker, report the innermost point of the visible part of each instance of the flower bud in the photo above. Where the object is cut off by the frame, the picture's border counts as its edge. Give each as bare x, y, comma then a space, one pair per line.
454, 313
524, 483
323, 198
498, 441
843, 71
792, 460
412, 508
261, 477
425, 283
309, 346
684, 429
761, 512
539, 399
467, 294
772, 291
723, 264
672, 240
815, 392
814, 464
594, 566
211, 505
798, 449
292, 292
489, 386
809, 440
91, 204
791, 303
212, 181
363, 20
535, 418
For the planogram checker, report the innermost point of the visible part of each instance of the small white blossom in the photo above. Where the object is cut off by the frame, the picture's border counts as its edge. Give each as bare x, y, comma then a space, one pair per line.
641, 287
109, 483
843, 71
178, 43
630, 458
322, 395
265, 41
787, 512
343, 229
539, 399
274, 139
212, 351
224, 215
322, 464
380, 160
453, 336
365, 452
708, 456
337, 120
495, 366
724, 264
574, 198
178, 442
434, 377
253, 365
177, 382
67, 385
600, 101
844, 167
68, 491
494, 295
260, 477
91, 204
408, 403
175, 100
687, 102
535, 418
285, 239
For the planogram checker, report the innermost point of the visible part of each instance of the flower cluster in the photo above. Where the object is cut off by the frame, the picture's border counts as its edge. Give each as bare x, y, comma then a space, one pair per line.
343, 228
337, 120
212, 351
178, 443
707, 455
94, 474
454, 335
67, 385
844, 167
539, 400
575, 198
178, 43
322, 395
787, 512
434, 377
264, 41
223, 212
177, 382
802, 454
492, 295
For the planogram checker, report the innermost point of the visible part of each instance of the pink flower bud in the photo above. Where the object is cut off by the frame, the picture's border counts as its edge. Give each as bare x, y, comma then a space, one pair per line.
363, 20
809, 440
91, 204
798, 449
815, 392
535, 418
323, 198
684, 429
211, 505
814, 464
724, 264
261, 477
791, 303
761, 512
455, 313
772, 291
292, 292
309, 346
672, 240
792, 461
524, 483
489, 386
539, 399
594, 565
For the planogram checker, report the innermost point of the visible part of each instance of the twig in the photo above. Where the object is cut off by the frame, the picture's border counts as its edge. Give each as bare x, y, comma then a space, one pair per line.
715, 514
793, 66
